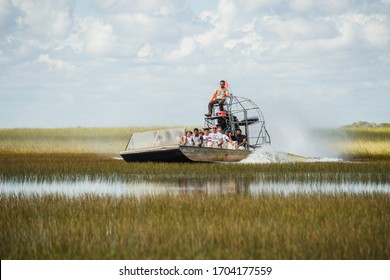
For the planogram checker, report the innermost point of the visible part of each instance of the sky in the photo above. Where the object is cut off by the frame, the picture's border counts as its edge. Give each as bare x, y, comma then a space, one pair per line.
117, 63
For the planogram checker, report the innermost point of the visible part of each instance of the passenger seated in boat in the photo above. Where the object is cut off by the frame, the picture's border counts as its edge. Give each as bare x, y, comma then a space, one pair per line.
218, 97
197, 138
187, 140
231, 144
216, 138
226, 137
206, 138
201, 133
241, 139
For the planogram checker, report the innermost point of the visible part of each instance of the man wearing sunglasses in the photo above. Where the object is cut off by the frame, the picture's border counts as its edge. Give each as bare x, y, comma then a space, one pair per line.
218, 97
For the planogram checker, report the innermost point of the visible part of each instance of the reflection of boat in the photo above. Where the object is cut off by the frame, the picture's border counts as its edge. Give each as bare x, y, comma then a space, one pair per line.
163, 145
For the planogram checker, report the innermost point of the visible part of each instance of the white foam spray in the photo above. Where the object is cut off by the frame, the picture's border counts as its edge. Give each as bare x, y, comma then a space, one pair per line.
266, 154
294, 138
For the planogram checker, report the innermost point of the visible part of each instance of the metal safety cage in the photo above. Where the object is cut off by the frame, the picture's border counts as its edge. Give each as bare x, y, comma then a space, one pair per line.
243, 113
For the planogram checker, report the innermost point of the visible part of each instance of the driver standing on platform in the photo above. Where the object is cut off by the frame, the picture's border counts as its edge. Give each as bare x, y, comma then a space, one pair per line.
218, 97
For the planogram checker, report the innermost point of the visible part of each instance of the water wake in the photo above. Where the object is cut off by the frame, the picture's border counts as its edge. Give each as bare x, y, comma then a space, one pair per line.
267, 155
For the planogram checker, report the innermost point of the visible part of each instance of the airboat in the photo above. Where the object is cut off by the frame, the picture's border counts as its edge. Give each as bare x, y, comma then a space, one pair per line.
163, 145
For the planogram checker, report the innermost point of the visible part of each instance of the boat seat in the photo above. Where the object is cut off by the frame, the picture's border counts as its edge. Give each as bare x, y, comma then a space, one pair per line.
216, 105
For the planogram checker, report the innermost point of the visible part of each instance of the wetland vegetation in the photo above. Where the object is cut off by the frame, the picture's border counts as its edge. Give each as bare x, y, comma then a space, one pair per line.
223, 226
196, 226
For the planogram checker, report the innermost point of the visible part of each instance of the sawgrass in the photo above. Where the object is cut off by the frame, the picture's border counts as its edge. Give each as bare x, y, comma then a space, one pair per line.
356, 142
197, 226
67, 140
80, 153
43, 167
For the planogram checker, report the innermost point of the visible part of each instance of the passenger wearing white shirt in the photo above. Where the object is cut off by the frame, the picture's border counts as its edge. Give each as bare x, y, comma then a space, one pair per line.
197, 138
187, 140
216, 138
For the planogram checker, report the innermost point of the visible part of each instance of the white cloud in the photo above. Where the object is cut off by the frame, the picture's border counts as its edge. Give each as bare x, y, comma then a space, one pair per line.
145, 51
187, 46
55, 64
222, 23
377, 32
98, 37
250, 40
5, 12
44, 18
90, 36
289, 56
296, 29
302, 5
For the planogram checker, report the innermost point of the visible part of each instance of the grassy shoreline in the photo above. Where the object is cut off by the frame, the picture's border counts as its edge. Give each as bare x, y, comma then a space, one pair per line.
62, 167
350, 142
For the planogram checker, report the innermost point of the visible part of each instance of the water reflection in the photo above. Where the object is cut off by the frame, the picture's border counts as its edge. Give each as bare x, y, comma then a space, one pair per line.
140, 188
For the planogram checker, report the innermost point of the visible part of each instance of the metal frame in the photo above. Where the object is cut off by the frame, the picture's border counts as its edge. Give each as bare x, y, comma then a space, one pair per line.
242, 113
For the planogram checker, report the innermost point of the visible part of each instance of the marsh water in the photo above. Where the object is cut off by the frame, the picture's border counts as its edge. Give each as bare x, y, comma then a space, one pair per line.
140, 188
179, 186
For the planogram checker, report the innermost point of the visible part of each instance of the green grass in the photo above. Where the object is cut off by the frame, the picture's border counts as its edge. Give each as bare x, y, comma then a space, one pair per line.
67, 140
71, 167
359, 142
196, 226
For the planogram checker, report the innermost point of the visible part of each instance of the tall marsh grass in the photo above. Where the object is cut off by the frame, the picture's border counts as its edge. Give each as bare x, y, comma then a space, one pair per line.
354, 142
196, 226
360, 142
67, 140
71, 167
79, 153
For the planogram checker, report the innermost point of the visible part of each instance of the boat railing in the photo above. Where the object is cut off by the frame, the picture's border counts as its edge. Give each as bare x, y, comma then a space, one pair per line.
155, 139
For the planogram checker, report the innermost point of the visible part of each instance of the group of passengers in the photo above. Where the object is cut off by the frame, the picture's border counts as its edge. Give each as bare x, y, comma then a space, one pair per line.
215, 138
